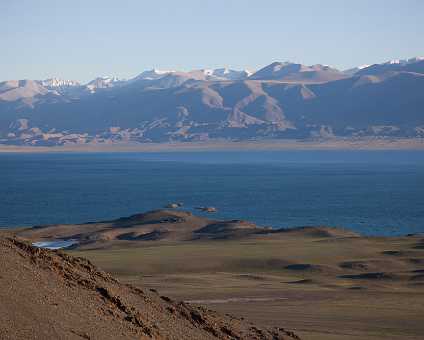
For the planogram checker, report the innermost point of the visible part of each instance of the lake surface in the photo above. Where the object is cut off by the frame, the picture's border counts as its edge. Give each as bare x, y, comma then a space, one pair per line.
372, 192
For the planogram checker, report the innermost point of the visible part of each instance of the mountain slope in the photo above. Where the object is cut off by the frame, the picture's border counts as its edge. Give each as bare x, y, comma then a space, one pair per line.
358, 106
50, 295
15, 90
298, 73
282, 100
415, 65
364, 102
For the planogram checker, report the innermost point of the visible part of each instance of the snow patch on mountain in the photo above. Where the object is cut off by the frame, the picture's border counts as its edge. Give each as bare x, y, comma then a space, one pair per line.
153, 74
353, 70
102, 83
404, 61
57, 82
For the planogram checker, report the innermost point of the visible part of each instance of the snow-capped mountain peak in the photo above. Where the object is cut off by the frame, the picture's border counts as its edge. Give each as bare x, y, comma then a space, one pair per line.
225, 73
207, 72
404, 61
200, 74
360, 67
57, 82
101, 83
222, 70
153, 74
231, 74
106, 79
353, 70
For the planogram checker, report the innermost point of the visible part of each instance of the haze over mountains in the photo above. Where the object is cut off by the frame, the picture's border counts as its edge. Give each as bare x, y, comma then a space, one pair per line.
281, 100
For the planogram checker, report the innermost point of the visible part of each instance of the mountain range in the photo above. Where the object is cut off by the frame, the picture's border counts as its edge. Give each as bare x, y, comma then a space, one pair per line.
282, 100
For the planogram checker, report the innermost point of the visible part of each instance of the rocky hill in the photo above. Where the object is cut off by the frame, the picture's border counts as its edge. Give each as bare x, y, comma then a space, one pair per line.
50, 295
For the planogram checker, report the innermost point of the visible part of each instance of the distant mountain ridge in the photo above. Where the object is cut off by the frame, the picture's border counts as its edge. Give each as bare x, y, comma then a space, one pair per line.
291, 72
281, 100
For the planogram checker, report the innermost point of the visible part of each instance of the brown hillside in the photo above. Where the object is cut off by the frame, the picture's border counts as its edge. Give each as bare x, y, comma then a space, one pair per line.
50, 295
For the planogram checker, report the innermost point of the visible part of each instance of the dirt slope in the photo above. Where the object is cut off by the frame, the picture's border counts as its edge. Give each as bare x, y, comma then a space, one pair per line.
50, 295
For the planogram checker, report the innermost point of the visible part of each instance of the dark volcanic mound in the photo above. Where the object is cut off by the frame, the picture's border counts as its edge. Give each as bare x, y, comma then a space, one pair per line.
50, 295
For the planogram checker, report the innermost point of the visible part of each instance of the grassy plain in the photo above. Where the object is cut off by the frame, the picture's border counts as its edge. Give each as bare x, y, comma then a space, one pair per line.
323, 288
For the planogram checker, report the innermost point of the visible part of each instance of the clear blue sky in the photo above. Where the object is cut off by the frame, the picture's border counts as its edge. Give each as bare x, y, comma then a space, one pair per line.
82, 39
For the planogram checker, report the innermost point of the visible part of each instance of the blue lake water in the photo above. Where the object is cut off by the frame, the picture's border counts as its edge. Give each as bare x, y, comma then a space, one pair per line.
372, 192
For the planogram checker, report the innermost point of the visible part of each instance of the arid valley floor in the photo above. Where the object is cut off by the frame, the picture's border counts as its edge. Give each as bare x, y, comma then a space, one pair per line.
322, 283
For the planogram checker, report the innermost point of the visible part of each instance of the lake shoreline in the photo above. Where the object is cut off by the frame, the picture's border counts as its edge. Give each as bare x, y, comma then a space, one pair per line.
23, 228
324, 144
306, 275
